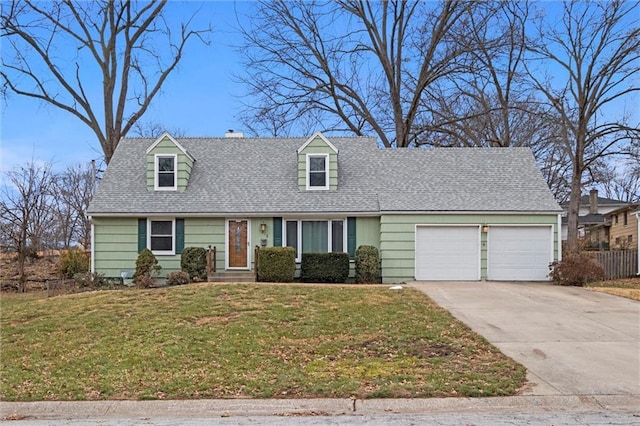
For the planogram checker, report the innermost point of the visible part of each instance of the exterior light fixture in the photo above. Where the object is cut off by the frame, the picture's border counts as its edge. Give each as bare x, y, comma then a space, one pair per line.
485, 228
263, 227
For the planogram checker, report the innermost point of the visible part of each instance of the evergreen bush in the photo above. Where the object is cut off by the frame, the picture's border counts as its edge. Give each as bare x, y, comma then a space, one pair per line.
324, 267
72, 262
276, 264
194, 262
367, 262
147, 269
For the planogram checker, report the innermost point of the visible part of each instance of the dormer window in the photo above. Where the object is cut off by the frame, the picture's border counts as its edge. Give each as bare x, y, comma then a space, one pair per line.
166, 176
318, 171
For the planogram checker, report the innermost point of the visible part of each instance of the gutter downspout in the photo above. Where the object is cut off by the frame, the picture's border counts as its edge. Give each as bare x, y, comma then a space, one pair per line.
559, 237
93, 247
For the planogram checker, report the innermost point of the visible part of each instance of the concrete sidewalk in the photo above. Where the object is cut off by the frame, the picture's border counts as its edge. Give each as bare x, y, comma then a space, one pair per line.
572, 341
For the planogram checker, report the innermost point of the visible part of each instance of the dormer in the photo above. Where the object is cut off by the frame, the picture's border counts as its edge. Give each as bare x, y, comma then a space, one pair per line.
317, 164
168, 165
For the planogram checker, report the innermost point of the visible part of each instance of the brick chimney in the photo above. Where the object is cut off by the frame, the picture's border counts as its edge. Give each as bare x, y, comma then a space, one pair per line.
593, 201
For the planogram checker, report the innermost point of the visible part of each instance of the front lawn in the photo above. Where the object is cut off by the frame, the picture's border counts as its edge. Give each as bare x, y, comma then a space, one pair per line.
626, 287
244, 340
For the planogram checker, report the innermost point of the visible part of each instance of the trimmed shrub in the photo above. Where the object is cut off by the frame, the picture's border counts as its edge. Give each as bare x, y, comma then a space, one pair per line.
367, 262
177, 278
147, 269
73, 262
276, 264
575, 269
194, 262
324, 267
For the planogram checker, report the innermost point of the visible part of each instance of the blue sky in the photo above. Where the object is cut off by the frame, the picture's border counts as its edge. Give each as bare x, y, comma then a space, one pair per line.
200, 98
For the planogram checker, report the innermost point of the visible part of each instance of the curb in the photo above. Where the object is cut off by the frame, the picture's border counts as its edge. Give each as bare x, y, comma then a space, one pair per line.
212, 408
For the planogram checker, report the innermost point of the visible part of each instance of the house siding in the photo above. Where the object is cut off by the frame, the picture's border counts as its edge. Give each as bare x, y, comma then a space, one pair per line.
317, 146
397, 238
368, 231
116, 239
621, 232
184, 164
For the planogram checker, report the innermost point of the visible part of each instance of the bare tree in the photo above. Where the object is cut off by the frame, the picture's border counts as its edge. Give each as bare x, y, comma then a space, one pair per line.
619, 178
365, 75
487, 104
583, 66
25, 211
153, 129
56, 52
74, 190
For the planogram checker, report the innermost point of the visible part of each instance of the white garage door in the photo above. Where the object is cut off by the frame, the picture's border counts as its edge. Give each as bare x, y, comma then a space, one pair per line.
520, 253
448, 253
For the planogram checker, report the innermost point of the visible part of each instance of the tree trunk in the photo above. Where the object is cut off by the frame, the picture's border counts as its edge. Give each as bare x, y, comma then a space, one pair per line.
22, 277
574, 208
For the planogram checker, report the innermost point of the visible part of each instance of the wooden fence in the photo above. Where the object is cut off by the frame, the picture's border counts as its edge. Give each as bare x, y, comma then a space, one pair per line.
618, 263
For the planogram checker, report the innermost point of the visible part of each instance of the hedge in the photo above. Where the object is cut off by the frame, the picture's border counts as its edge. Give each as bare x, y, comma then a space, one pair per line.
276, 264
324, 267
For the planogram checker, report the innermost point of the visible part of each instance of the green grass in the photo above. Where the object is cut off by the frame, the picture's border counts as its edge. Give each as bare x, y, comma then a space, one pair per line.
231, 341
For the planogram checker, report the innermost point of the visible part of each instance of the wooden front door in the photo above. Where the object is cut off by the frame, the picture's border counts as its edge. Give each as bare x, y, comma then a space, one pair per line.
237, 245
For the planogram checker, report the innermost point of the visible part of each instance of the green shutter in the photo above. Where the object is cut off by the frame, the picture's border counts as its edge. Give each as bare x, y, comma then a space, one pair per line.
277, 231
142, 234
179, 235
351, 237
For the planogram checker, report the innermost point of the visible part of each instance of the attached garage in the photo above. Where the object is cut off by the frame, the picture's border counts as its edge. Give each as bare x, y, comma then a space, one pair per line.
447, 253
519, 253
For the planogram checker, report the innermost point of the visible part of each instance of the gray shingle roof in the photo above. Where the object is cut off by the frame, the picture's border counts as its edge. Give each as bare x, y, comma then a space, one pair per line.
258, 176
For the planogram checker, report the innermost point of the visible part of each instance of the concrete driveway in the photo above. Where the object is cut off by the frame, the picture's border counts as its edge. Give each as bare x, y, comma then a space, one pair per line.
571, 340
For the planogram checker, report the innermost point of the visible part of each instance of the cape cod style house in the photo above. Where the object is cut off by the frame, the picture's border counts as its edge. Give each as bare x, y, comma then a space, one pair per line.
434, 214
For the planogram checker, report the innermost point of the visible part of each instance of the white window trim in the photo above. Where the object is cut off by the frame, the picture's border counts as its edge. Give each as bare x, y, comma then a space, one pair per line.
329, 232
173, 236
156, 172
326, 171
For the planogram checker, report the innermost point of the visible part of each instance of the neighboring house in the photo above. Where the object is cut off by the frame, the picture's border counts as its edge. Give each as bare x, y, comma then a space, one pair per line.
623, 227
592, 227
435, 214
637, 215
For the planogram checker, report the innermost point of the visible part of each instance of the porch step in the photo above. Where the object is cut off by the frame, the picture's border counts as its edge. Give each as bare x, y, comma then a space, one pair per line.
233, 277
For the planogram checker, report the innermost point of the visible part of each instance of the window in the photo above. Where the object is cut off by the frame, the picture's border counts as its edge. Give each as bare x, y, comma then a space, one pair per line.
165, 178
624, 219
315, 236
337, 236
616, 219
292, 235
629, 239
162, 237
318, 171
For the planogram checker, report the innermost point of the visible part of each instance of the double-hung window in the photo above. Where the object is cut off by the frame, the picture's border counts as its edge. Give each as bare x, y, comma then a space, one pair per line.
315, 236
162, 236
165, 172
318, 171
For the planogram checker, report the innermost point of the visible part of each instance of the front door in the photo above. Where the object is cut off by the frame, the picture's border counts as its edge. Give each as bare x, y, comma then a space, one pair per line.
238, 243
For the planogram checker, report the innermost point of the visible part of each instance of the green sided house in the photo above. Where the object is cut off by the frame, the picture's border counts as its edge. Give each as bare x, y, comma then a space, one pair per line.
435, 214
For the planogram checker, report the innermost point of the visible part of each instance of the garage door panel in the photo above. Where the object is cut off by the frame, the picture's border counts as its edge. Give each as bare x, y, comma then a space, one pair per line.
447, 253
520, 253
